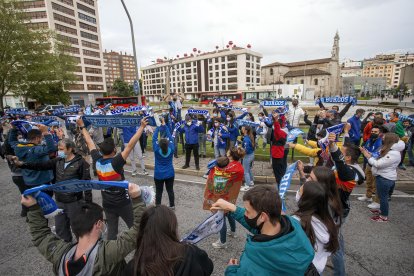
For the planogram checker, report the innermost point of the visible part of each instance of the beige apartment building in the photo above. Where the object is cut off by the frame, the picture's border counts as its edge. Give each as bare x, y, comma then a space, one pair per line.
118, 66
77, 23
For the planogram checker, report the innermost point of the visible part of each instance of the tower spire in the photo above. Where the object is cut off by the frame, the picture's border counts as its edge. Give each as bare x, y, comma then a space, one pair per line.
335, 47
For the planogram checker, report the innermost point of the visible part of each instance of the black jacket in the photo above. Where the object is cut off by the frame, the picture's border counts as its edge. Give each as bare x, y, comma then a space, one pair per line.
77, 168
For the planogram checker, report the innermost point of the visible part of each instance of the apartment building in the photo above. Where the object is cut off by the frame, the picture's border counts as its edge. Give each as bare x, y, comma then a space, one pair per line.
227, 72
118, 65
76, 22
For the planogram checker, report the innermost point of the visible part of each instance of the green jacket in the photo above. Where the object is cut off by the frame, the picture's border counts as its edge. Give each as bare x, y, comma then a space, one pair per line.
110, 257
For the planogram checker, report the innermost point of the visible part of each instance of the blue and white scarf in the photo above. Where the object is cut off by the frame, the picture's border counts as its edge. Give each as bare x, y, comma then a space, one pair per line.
211, 225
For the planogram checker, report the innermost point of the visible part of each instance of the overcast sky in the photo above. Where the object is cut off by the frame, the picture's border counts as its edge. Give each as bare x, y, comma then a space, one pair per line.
281, 30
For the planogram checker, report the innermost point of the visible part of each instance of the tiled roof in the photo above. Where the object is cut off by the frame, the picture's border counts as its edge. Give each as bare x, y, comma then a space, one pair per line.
307, 72
299, 63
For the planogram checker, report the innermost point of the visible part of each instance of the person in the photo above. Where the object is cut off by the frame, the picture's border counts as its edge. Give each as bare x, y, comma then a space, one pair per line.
163, 169
110, 167
90, 255
373, 146
277, 150
385, 171
248, 145
67, 166
369, 118
128, 133
202, 136
224, 181
278, 245
406, 138
159, 250
261, 130
338, 114
315, 218
191, 131
355, 131
378, 121
294, 114
219, 134
233, 129
394, 124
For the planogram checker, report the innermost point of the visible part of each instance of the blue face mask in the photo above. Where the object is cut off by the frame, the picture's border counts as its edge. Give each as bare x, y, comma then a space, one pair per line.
61, 154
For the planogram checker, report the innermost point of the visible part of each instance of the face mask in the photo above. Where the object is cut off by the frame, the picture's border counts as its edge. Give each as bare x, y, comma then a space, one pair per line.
21, 140
214, 114
174, 100
371, 118
228, 119
61, 154
294, 104
297, 197
216, 124
188, 123
253, 222
374, 136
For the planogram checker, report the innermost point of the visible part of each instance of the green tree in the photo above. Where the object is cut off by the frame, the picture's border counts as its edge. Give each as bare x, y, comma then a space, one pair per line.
32, 62
122, 88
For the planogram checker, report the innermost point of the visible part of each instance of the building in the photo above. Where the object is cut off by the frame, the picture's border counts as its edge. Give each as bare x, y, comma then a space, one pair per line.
407, 77
388, 66
363, 85
76, 22
275, 91
320, 77
351, 68
118, 66
224, 72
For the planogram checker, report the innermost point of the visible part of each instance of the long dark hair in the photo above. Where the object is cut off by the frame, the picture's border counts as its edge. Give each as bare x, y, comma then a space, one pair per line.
389, 140
250, 134
158, 247
326, 177
314, 202
164, 145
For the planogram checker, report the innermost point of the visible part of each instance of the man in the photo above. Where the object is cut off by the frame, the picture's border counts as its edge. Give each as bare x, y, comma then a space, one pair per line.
110, 167
373, 145
340, 114
90, 255
394, 124
408, 131
378, 121
294, 114
128, 133
355, 131
191, 131
33, 151
278, 245
175, 103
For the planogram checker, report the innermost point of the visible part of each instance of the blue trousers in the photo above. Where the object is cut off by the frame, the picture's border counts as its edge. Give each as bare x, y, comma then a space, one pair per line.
223, 231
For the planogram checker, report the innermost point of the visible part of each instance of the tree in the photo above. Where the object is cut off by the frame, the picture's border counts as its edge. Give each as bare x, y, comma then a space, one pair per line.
32, 62
122, 88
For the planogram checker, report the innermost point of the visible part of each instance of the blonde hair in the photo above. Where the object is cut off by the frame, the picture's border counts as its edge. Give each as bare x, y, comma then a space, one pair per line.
389, 140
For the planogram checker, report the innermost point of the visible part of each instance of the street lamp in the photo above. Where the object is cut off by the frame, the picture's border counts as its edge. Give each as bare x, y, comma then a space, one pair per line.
135, 51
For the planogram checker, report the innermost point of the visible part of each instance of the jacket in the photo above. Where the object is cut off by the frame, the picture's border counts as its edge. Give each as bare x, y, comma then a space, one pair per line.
128, 133
233, 131
77, 168
277, 149
294, 115
110, 257
164, 167
222, 140
191, 133
289, 254
373, 147
395, 126
28, 152
355, 131
247, 144
387, 166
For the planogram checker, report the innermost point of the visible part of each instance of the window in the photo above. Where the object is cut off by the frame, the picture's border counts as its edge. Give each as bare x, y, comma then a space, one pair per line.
92, 62
223, 66
35, 15
36, 26
216, 60
90, 44
231, 58
223, 80
232, 80
91, 53
88, 27
78, 69
87, 18
72, 50
74, 87
232, 87
65, 29
67, 2
288, 82
315, 82
271, 71
247, 72
79, 77
217, 88
247, 57
247, 79
89, 36
211, 75
85, 8
209, 61
217, 74
223, 87
90, 2
217, 81
93, 78
63, 9
95, 87
301, 81
93, 70
64, 19
31, 4
216, 67
223, 59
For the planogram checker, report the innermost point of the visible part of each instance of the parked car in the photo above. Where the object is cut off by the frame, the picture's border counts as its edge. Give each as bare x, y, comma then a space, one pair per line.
48, 108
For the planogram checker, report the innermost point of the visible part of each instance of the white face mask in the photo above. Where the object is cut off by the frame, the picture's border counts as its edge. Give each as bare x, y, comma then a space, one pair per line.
216, 124
228, 119
188, 123
298, 196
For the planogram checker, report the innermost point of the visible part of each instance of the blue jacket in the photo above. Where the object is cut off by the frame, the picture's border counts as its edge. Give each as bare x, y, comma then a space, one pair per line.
128, 133
31, 153
355, 131
290, 254
247, 144
233, 131
222, 140
373, 147
191, 133
164, 168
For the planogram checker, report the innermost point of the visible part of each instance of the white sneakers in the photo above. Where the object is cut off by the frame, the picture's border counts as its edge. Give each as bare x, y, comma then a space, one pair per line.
374, 205
219, 245
364, 198
231, 234
134, 173
144, 172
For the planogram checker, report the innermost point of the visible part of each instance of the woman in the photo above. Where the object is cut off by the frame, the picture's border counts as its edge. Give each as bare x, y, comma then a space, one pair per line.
385, 171
224, 181
164, 169
159, 250
232, 129
248, 145
315, 219
219, 134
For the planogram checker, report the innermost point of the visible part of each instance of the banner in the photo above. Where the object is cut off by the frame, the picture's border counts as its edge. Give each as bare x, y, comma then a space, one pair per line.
211, 225
130, 109
61, 111
176, 127
203, 112
273, 103
221, 100
293, 134
241, 122
23, 126
337, 99
285, 183
41, 119
116, 121
402, 118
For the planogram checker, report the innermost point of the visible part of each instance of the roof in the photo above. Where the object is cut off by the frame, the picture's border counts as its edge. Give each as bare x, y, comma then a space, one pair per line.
299, 63
307, 72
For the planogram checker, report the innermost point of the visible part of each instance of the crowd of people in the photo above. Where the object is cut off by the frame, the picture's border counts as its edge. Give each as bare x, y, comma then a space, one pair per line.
277, 243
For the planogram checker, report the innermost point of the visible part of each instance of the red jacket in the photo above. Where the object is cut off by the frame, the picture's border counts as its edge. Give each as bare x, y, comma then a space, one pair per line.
278, 141
367, 131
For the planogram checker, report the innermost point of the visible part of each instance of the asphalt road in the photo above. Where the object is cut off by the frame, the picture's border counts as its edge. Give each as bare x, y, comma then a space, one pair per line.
371, 248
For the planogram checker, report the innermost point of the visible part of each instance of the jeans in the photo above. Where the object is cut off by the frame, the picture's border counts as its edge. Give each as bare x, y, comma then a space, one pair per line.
188, 149
338, 257
247, 166
202, 140
223, 231
112, 216
218, 152
384, 187
159, 188
136, 150
62, 220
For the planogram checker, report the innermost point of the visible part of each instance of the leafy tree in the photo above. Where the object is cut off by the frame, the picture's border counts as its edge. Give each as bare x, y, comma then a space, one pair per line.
122, 88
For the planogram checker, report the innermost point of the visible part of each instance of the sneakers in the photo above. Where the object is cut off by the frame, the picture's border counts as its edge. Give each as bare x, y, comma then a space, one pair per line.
205, 176
219, 245
144, 172
402, 167
374, 205
379, 219
251, 183
245, 188
185, 167
364, 198
231, 234
172, 208
134, 173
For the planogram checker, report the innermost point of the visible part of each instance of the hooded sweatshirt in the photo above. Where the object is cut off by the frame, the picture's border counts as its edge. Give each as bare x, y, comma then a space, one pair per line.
387, 166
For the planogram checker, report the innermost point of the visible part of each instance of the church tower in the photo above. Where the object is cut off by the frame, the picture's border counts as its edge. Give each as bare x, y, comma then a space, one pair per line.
335, 47
335, 70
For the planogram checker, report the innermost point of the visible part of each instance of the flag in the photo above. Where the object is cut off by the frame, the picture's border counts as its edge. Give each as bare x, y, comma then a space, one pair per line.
293, 134
211, 225
285, 183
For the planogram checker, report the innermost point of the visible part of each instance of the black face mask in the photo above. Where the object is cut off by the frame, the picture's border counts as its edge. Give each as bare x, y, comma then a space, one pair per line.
174, 100
374, 136
253, 222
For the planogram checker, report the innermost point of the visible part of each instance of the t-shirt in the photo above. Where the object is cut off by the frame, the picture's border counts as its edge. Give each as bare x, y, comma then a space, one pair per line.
111, 169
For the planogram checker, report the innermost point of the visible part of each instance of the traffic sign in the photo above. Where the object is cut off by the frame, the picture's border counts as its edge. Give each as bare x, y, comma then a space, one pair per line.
136, 87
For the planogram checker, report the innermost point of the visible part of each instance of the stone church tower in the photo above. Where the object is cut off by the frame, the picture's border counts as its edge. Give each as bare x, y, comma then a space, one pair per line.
334, 68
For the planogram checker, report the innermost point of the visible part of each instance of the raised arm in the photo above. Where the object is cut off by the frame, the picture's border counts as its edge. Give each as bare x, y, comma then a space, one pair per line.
345, 110
125, 153
155, 146
86, 135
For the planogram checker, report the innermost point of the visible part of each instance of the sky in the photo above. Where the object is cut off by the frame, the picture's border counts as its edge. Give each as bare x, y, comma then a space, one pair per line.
281, 30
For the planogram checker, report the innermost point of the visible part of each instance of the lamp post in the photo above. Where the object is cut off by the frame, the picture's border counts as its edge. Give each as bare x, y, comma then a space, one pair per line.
135, 51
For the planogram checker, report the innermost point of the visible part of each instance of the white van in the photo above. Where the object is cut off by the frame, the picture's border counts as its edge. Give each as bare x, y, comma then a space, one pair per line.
48, 108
